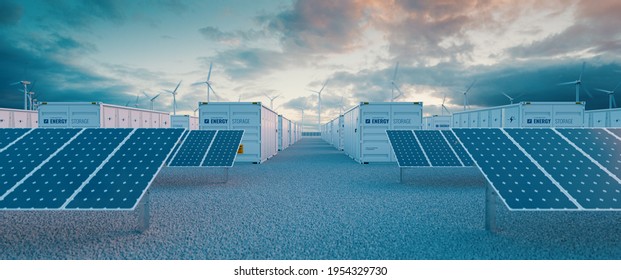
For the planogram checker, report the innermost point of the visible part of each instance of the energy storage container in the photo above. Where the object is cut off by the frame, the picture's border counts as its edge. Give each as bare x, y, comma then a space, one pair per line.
603, 118
260, 125
524, 114
97, 114
184, 121
436, 122
365, 125
14, 118
284, 133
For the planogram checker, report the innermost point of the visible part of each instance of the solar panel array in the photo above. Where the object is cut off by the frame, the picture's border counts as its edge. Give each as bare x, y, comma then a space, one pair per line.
549, 169
208, 148
464, 157
420, 148
7, 136
90, 168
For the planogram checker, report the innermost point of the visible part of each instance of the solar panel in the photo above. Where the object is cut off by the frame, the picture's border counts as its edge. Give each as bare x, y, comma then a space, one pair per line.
122, 181
51, 185
436, 148
406, 148
223, 149
24, 156
8, 135
518, 181
599, 144
177, 146
587, 183
194, 148
615, 131
465, 158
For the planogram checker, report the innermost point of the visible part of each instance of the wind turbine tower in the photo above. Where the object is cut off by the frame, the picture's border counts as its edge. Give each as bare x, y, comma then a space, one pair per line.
25, 84
174, 94
578, 84
207, 82
319, 104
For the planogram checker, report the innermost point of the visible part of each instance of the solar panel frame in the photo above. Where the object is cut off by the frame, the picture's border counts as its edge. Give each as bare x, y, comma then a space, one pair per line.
392, 147
458, 148
178, 146
427, 149
37, 167
6, 145
498, 191
453, 150
234, 152
186, 141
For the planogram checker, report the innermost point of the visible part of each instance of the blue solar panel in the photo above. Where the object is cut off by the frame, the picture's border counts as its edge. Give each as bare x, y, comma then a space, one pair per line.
177, 146
25, 155
466, 160
615, 131
57, 180
600, 145
436, 148
588, 184
518, 181
8, 135
194, 148
122, 181
223, 149
406, 148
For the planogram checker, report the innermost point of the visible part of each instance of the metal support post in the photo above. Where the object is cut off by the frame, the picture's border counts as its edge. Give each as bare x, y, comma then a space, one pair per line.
144, 214
490, 209
400, 174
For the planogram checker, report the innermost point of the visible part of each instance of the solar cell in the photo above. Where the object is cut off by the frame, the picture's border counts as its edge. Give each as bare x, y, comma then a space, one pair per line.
194, 148
436, 148
223, 149
177, 146
466, 160
406, 148
51, 185
518, 181
587, 183
8, 135
599, 144
29, 152
122, 181
615, 131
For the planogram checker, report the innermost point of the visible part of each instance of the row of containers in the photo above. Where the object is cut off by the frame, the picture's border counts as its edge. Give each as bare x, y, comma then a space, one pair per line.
265, 132
361, 131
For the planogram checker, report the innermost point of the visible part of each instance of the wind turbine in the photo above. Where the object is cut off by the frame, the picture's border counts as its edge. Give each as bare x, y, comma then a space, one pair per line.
174, 94
302, 123
207, 82
578, 84
394, 85
319, 104
151, 98
466, 95
611, 96
508, 96
444, 107
25, 84
271, 100
195, 111
29, 96
136, 102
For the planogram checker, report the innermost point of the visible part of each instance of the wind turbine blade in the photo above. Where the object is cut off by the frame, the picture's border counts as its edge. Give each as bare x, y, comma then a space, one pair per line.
209, 74
503, 93
615, 89
394, 76
213, 91
443, 100
198, 83
603, 90
582, 71
471, 85
276, 97
145, 94
324, 85
152, 99
175, 91
16, 83
586, 90
567, 83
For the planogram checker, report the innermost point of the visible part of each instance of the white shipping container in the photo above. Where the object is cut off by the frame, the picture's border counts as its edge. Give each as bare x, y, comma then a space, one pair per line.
603, 118
437, 122
260, 125
15, 118
365, 126
284, 133
524, 114
184, 121
97, 114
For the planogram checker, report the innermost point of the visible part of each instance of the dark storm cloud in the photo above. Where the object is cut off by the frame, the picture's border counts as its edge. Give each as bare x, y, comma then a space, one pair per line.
82, 14
10, 13
249, 63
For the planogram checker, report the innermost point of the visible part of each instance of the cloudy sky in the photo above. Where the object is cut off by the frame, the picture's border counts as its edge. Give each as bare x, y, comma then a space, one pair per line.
113, 50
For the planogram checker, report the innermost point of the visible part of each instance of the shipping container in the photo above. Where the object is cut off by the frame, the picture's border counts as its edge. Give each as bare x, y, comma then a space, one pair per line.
437, 122
184, 121
284, 133
365, 125
260, 125
603, 118
524, 114
97, 114
15, 118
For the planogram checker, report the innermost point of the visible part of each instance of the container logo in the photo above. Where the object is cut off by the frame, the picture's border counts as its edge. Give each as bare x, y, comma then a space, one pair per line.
376, 121
79, 121
564, 121
240, 121
538, 121
55, 121
511, 119
402, 121
216, 121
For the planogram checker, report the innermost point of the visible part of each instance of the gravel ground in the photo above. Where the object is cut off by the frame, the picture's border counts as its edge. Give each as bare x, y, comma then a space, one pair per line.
313, 202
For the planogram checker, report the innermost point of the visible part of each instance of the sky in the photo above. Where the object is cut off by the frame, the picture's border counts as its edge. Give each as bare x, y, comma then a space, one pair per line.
113, 51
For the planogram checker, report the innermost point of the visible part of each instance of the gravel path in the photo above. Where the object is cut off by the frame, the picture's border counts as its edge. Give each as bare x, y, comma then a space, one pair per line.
313, 202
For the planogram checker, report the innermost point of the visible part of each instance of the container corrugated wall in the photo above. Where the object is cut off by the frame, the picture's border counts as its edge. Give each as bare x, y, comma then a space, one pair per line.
97, 114
14, 118
524, 114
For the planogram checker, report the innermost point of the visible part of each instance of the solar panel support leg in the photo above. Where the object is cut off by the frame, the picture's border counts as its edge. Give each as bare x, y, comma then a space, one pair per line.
490, 209
144, 214
400, 175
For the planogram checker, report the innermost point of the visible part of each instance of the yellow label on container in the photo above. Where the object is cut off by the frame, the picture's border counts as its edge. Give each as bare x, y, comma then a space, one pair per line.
240, 150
